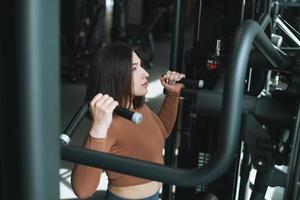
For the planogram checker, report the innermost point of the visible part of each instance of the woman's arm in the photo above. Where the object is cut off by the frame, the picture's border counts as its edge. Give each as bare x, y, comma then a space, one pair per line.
168, 111
85, 179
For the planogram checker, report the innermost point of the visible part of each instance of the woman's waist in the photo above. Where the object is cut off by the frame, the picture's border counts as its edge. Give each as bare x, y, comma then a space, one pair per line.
136, 191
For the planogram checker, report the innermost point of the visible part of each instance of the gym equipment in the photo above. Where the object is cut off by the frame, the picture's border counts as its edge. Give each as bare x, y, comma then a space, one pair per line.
31, 122
249, 32
65, 137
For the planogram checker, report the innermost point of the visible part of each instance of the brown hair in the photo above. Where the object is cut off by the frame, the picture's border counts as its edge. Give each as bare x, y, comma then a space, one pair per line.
110, 73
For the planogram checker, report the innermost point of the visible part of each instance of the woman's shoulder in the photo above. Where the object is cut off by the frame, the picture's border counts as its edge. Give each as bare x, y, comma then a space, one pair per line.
145, 109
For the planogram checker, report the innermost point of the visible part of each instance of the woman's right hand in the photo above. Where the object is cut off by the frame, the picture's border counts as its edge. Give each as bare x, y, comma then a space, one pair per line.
101, 108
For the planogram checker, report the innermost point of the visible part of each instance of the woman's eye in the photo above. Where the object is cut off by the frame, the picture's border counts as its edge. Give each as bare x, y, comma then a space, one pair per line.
134, 68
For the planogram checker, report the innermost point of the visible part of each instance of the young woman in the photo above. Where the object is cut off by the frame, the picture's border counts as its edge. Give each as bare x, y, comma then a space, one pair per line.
118, 78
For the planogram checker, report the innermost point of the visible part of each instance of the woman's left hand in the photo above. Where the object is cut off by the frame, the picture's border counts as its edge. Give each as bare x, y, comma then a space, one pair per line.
170, 79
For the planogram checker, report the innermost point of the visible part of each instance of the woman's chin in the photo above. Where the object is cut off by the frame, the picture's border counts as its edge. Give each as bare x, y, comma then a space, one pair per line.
142, 93
146, 92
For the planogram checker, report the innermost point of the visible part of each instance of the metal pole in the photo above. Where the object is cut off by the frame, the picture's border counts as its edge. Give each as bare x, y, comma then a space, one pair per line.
176, 56
177, 42
38, 74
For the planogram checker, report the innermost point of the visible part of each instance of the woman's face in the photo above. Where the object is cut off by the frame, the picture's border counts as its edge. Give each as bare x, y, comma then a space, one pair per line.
139, 77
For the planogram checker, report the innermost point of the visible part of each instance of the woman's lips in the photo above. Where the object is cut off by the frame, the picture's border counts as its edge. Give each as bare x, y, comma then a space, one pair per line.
145, 84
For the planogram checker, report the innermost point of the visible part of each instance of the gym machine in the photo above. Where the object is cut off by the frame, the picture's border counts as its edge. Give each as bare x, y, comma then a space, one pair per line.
24, 119
237, 110
196, 146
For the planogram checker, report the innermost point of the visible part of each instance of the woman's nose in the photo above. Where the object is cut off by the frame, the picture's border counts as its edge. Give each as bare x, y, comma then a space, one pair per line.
146, 73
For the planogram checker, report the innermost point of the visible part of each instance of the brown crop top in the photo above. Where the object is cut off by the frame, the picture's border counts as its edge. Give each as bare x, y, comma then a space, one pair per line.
143, 141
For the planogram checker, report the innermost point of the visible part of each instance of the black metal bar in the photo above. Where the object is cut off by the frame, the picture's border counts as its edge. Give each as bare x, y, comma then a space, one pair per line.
266, 47
246, 34
65, 137
266, 24
176, 58
266, 110
78, 117
177, 36
198, 22
74, 123
190, 93
38, 62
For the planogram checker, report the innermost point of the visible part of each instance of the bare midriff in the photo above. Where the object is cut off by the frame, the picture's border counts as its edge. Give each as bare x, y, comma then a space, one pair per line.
136, 191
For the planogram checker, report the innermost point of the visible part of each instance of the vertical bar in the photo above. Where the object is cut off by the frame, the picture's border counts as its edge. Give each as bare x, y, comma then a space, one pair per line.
177, 42
38, 67
9, 142
176, 59
198, 22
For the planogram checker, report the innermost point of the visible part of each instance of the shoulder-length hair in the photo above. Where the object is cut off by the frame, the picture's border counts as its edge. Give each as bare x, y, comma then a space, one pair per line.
110, 73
